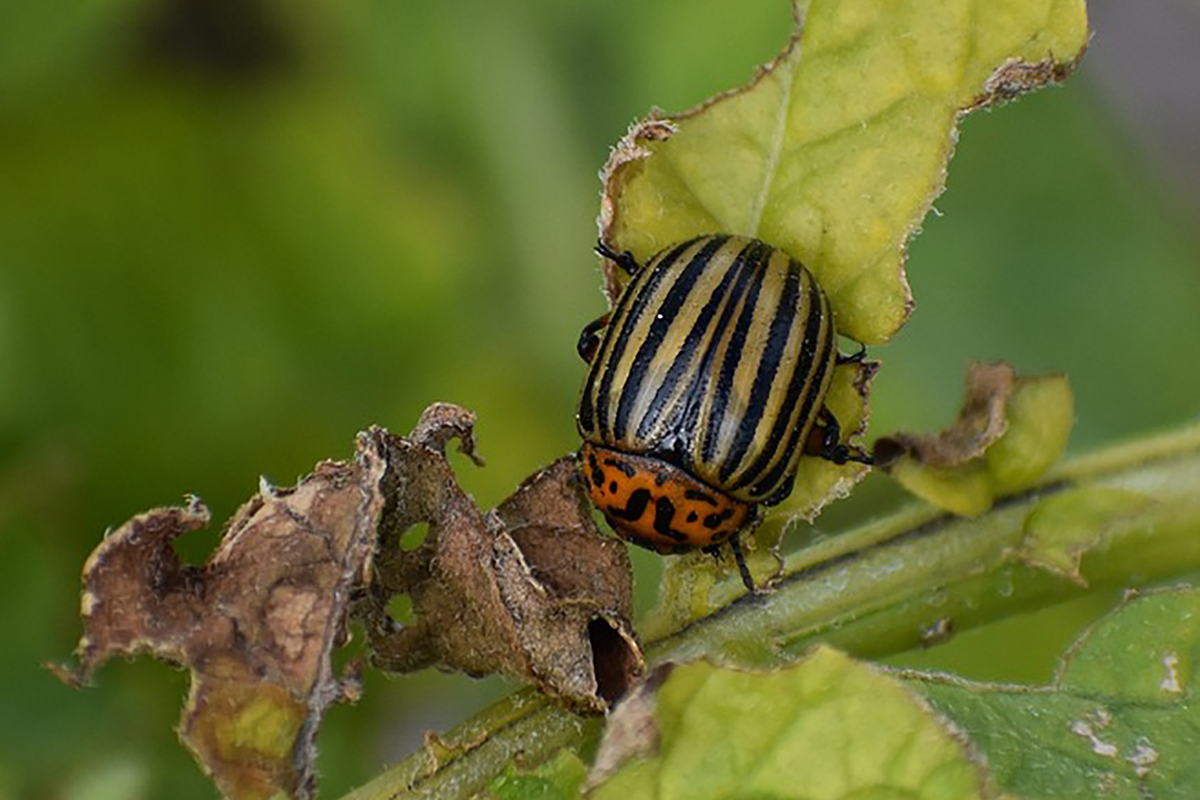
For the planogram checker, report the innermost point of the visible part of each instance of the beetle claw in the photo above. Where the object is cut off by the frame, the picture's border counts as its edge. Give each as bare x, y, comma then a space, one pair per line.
623, 259
830, 446
854, 358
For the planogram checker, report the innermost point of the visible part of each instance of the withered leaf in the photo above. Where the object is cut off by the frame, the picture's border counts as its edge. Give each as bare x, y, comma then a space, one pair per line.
255, 625
532, 589
980, 422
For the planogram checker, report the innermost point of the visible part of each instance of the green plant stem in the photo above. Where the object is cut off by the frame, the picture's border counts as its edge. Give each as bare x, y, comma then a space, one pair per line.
874, 591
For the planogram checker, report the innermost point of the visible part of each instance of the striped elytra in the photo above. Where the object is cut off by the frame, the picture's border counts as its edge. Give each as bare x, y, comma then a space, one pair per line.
704, 384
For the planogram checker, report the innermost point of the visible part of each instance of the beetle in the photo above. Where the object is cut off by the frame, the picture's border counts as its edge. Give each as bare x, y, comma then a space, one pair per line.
706, 383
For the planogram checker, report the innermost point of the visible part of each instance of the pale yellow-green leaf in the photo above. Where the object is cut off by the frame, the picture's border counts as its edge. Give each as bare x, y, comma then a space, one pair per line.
1040, 414
1118, 722
837, 150
835, 153
965, 490
829, 727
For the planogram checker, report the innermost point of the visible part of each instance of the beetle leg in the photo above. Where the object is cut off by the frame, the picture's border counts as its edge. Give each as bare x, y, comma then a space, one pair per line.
624, 259
736, 546
825, 441
589, 338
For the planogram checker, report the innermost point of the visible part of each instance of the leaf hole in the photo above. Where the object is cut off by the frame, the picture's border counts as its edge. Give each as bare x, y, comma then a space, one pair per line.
400, 609
614, 662
414, 537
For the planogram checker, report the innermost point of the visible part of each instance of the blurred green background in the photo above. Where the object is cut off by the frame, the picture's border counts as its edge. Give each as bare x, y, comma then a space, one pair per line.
235, 232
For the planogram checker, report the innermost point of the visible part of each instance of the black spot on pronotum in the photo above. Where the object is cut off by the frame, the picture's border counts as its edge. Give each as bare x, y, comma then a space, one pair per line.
693, 494
635, 507
620, 465
713, 521
597, 473
664, 514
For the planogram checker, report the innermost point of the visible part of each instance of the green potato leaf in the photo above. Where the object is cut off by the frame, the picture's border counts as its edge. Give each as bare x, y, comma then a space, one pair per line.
561, 778
1119, 720
1063, 528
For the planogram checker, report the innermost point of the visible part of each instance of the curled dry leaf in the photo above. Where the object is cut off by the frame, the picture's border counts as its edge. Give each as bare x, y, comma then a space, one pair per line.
981, 421
532, 589
255, 625
1010, 430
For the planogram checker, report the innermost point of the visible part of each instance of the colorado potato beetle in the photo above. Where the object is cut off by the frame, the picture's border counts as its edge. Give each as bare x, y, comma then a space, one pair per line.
706, 383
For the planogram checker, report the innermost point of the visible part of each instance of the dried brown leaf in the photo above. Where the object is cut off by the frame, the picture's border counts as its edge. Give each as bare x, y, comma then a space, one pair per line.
255, 625
532, 589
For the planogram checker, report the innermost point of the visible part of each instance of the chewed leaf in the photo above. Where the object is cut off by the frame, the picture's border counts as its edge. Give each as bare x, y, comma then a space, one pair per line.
256, 625
531, 589
836, 151
828, 727
1117, 722
1010, 430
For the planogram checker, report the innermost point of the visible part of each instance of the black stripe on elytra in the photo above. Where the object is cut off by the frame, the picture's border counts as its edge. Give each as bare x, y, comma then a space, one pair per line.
585, 416
629, 307
735, 271
733, 356
764, 378
664, 316
683, 419
801, 381
771, 481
